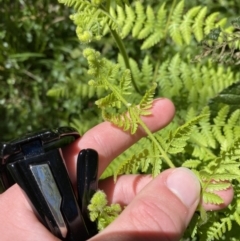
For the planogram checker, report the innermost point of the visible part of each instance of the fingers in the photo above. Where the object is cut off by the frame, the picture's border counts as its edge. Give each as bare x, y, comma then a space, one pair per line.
109, 141
18, 220
124, 190
161, 211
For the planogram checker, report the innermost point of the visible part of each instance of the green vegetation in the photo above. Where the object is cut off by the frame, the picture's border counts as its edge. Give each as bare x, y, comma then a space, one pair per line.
129, 53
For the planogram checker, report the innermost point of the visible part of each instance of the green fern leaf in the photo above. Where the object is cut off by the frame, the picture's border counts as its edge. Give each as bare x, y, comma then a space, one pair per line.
211, 22
58, 90
155, 160
148, 28
209, 197
224, 177
129, 21
174, 27
186, 25
198, 24
191, 163
136, 73
212, 187
178, 140
121, 16
219, 228
237, 217
157, 25
109, 100
139, 20
147, 100
147, 70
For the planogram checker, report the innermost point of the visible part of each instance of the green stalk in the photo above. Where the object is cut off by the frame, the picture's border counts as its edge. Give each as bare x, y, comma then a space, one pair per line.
123, 51
120, 45
143, 125
151, 136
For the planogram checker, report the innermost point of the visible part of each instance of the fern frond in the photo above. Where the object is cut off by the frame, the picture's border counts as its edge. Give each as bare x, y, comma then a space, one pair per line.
191, 163
109, 100
199, 83
140, 19
63, 90
209, 197
90, 19
150, 20
147, 71
174, 27
155, 160
213, 187
178, 140
198, 24
130, 160
136, 73
130, 18
157, 29
147, 100
210, 22
223, 177
218, 229
186, 24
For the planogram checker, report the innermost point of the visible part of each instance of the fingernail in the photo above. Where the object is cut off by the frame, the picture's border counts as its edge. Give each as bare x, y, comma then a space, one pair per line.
185, 185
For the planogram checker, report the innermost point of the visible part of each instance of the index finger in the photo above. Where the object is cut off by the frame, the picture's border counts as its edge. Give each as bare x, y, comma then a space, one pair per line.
110, 141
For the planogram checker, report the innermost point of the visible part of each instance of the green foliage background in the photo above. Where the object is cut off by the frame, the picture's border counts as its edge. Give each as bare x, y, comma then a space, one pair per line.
45, 71
38, 48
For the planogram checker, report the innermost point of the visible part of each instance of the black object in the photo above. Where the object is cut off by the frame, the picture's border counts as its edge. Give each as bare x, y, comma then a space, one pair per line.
35, 162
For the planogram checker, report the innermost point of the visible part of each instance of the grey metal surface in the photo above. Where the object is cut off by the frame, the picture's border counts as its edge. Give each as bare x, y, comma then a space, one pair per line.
49, 189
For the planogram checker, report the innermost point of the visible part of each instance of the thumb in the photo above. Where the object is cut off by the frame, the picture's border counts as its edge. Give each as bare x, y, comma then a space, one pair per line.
161, 211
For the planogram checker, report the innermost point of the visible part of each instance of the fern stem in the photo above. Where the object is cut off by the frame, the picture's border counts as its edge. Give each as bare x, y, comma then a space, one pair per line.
151, 136
121, 46
123, 51
143, 125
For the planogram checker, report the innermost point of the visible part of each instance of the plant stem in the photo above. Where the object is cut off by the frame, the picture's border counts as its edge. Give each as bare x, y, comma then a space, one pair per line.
151, 136
143, 125
121, 46
123, 51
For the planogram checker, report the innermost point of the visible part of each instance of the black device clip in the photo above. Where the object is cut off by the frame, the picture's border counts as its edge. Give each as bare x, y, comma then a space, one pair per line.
36, 163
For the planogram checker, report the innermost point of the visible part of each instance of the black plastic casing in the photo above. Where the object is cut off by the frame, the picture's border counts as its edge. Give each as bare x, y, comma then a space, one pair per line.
35, 162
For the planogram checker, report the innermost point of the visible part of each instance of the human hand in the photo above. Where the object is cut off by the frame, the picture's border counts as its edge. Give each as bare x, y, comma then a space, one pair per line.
157, 209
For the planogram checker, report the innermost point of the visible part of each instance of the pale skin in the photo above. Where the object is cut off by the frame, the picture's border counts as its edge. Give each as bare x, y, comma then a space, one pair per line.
157, 209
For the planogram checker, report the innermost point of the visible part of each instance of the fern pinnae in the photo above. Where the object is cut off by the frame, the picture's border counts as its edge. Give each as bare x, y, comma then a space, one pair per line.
211, 21
121, 16
140, 19
210, 197
213, 187
192, 163
147, 100
129, 21
174, 74
155, 36
198, 24
148, 27
186, 75
136, 73
104, 102
174, 27
147, 71
218, 229
178, 140
156, 160
187, 22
